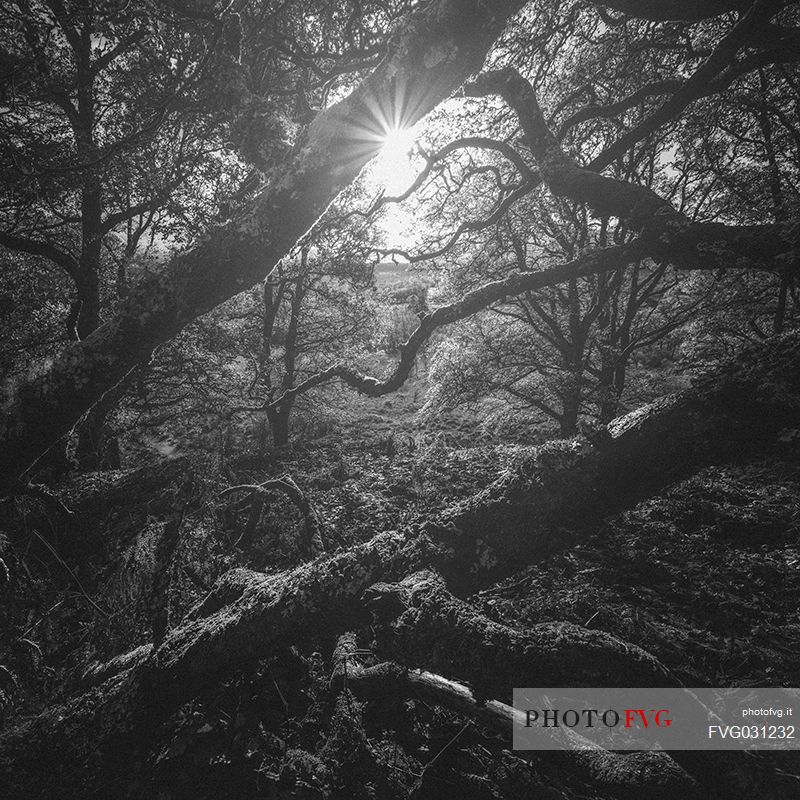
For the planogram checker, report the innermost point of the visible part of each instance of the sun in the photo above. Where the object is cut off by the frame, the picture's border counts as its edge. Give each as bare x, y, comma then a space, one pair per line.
393, 172
398, 142
393, 169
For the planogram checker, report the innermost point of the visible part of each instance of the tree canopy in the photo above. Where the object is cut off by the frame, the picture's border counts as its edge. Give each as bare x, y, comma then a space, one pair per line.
267, 113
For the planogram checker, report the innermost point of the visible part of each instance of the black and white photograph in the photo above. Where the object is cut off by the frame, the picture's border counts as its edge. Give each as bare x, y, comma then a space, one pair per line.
400, 399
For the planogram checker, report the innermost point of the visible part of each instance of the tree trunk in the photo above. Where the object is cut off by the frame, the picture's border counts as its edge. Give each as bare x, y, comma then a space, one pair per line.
435, 630
613, 373
91, 431
88, 300
568, 419
571, 393
280, 413
279, 423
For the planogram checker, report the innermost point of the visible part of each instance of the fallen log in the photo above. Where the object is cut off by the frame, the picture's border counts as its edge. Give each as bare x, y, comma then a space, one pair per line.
440, 632
551, 499
627, 775
425, 626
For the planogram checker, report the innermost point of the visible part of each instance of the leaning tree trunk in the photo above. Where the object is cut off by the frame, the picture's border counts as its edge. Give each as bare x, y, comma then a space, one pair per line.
550, 500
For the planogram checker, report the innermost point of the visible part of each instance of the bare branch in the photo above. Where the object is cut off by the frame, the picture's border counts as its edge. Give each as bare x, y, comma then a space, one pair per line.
697, 84
313, 542
472, 302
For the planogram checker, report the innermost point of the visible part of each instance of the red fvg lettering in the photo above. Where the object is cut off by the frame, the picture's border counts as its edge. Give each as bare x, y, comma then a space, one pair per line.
591, 717
644, 717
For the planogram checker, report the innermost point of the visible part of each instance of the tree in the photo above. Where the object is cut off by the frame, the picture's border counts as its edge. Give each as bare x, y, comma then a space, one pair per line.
309, 312
562, 350
110, 115
563, 353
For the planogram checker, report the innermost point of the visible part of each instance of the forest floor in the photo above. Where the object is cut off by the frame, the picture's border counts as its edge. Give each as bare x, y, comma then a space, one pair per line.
705, 576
